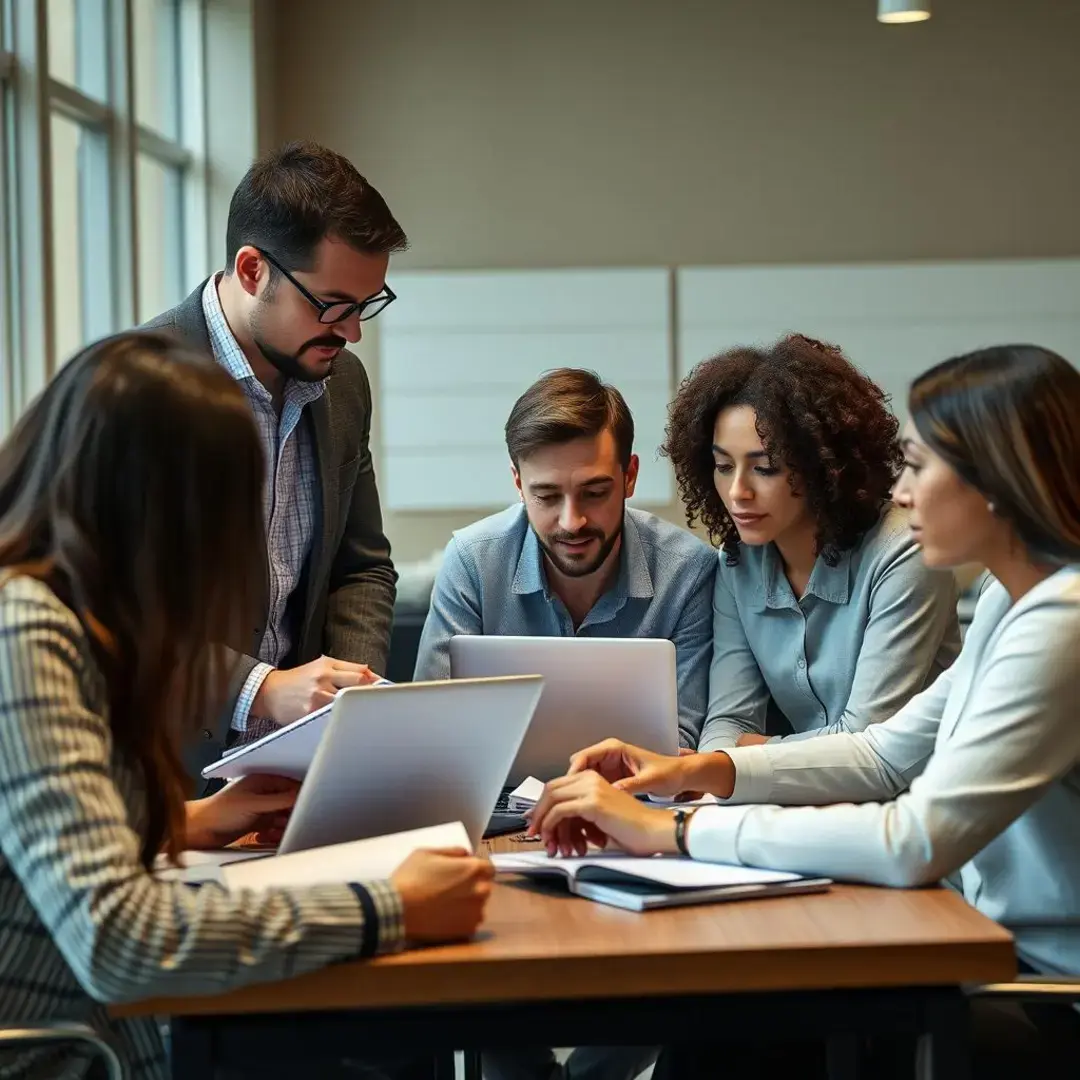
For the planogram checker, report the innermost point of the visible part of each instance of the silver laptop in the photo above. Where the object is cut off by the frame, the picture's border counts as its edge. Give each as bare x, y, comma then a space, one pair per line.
594, 688
398, 757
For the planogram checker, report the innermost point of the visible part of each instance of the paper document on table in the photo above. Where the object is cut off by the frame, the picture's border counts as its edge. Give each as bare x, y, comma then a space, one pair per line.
359, 860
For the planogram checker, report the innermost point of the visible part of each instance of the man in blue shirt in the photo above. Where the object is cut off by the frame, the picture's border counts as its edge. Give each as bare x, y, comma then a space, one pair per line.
572, 559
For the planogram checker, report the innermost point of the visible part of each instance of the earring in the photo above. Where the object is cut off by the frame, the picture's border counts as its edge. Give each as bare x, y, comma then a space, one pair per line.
991, 507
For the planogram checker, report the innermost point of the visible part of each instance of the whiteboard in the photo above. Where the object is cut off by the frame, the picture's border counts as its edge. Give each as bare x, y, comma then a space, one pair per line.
458, 348
892, 320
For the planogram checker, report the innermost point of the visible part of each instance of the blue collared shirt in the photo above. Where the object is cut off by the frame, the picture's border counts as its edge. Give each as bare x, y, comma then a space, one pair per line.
492, 581
867, 635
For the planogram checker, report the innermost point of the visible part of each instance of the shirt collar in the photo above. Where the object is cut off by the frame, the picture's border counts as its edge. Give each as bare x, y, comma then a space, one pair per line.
829, 583
230, 356
634, 579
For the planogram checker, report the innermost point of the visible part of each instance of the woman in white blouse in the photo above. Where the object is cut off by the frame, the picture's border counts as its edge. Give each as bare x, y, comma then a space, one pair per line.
977, 776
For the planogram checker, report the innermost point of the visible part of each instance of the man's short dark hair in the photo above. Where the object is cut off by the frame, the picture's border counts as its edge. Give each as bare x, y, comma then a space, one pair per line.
293, 197
566, 404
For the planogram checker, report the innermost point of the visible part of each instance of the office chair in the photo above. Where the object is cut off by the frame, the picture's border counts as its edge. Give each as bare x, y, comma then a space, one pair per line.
1050, 989
43, 1034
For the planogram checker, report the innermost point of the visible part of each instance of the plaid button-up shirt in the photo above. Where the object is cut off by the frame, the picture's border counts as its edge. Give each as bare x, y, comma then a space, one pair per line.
291, 496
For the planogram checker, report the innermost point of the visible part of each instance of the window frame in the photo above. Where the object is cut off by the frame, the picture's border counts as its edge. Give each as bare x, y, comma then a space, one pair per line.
7, 340
108, 189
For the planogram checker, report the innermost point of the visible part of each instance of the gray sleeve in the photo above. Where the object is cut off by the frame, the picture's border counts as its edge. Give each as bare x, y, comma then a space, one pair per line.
455, 609
693, 640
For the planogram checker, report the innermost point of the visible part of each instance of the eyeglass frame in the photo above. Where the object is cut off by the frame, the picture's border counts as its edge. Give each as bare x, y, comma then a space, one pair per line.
323, 306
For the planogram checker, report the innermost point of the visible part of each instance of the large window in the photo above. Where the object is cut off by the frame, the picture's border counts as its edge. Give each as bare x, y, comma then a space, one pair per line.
103, 175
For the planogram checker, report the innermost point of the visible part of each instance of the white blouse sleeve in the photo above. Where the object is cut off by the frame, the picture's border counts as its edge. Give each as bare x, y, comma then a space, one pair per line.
1015, 735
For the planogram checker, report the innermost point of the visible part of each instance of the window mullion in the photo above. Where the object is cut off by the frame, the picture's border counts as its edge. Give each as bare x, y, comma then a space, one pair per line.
123, 181
195, 224
34, 338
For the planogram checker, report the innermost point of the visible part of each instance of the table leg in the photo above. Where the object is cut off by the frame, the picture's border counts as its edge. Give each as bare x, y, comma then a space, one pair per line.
473, 1067
191, 1049
944, 1050
444, 1065
844, 1054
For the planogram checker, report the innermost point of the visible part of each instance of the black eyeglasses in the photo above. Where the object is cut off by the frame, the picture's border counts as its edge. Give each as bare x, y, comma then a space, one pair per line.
335, 311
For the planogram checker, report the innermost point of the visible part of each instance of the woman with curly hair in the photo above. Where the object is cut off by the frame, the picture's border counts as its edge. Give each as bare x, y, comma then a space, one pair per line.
822, 607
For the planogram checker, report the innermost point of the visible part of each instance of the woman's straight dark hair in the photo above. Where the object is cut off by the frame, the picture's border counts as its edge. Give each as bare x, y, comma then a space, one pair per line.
1007, 419
132, 487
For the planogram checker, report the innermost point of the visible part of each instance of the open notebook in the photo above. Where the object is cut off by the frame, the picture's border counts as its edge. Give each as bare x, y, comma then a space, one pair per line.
641, 884
356, 861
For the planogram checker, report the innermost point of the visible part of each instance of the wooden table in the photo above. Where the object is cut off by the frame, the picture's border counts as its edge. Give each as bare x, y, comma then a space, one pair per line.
552, 969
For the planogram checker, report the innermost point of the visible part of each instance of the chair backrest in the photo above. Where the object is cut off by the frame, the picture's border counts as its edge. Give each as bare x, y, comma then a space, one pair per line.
46, 1034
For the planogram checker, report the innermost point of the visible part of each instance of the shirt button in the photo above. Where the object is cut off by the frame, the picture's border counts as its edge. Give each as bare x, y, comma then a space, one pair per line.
207, 734
802, 664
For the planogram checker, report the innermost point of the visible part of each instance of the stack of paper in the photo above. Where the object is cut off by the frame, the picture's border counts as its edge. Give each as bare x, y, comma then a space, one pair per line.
525, 796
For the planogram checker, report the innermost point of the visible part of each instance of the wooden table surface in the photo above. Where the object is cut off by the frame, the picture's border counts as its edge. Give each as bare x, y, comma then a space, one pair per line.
539, 945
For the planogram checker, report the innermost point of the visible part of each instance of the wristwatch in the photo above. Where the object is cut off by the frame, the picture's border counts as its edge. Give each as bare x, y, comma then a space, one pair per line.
682, 823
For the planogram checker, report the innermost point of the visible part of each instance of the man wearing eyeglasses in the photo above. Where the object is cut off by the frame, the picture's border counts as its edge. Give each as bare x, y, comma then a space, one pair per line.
308, 243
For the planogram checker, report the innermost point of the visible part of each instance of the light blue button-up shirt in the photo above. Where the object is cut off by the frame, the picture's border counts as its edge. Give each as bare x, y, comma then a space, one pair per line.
867, 635
492, 581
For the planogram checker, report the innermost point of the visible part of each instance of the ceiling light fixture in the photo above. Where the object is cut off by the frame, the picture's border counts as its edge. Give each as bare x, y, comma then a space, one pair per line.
903, 11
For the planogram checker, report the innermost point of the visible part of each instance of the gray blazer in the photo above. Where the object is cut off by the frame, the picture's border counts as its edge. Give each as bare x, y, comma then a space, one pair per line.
345, 602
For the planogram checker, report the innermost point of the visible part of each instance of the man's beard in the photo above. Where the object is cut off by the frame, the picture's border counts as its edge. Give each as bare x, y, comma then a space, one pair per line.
575, 568
289, 363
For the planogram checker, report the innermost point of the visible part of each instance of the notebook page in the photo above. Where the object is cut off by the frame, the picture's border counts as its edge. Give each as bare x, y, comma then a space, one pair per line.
674, 871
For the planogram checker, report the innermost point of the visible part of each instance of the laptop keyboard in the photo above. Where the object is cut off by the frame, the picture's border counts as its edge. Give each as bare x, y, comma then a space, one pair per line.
503, 819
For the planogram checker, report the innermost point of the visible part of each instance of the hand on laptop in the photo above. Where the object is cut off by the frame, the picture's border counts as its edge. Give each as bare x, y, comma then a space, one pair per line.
258, 804
639, 772
584, 809
285, 696
444, 893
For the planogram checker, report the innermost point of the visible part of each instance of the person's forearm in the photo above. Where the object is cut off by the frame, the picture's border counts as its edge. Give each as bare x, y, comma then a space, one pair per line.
712, 772
722, 733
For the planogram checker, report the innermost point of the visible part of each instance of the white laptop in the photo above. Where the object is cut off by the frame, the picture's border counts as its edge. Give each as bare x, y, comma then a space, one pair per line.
594, 688
387, 759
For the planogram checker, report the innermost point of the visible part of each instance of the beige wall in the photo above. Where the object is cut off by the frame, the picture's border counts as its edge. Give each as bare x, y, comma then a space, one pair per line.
606, 132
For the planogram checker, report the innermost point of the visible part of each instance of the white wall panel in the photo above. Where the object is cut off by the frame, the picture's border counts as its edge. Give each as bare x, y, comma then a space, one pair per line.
459, 348
893, 321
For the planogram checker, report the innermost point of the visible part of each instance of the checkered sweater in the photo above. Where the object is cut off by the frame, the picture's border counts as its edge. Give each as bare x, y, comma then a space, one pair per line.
82, 924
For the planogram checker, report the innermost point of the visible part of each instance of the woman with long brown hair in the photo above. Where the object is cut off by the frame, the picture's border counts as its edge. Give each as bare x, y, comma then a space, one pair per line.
977, 777
129, 508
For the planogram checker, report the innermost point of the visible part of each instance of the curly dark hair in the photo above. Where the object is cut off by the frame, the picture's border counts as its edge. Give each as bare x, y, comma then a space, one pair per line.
818, 414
